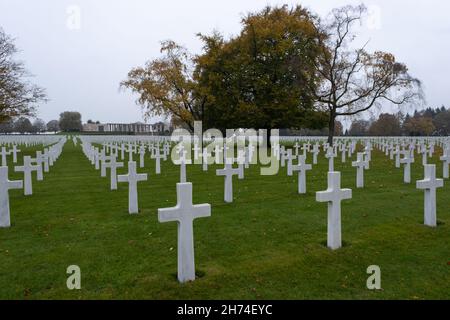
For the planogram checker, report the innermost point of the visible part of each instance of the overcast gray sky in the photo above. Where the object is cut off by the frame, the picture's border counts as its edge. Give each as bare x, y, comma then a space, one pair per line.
81, 65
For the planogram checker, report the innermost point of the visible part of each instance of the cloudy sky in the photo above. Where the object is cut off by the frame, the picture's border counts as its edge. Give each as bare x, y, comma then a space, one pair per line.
81, 65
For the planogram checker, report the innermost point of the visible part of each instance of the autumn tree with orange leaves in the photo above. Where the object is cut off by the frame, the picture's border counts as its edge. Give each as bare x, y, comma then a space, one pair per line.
165, 86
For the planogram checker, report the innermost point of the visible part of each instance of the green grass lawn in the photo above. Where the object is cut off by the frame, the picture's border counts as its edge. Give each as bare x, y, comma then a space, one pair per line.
268, 244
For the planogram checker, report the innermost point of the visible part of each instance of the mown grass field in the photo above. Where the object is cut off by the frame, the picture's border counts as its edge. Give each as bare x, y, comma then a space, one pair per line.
268, 244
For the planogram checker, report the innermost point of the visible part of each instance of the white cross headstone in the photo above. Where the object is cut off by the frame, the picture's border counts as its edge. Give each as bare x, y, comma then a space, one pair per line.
289, 158
205, 157
122, 151
330, 156
103, 158
301, 167
228, 172
183, 161
141, 156
132, 178
130, 152
306, 148
368, 151
430, 184
360, 165
445, 162
296, 147
282, 157
4, 153
113, 165
343, 153
97, 157
46, 157
334, 195
27, 169
240, 162
424, 152
14, 153
184, 214
407, 160
197, 151
315, 151
157, 161
39, 162
431, 150
5, 186
397, 154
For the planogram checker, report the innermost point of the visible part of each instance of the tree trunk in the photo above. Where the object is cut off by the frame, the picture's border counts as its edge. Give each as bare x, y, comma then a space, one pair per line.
331, 124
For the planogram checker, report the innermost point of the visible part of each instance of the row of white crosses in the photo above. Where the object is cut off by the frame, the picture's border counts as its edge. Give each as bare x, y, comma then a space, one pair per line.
330, 153
42, 164
183, 213
103, 162
132, 177
4, 153
430, 183
220, 156
334, 194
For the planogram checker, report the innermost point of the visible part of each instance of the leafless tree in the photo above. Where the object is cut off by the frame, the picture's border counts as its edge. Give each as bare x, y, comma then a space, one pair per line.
18, 96
354, 80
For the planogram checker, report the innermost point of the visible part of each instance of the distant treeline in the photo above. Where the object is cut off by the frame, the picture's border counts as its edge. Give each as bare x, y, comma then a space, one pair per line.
428, 122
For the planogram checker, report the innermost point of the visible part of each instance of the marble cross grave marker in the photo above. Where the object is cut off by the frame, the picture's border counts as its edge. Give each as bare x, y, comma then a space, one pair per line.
429, 184
330, 156
157, 157
132, 178
445, 162
141, 156
183, 162
228, 171
289, 158
39, 162
315, 151
27, 169
5, 186
334, 195
14, 153
301, 167
360, 164
113, 165
4, 153
184, 214
407, 160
